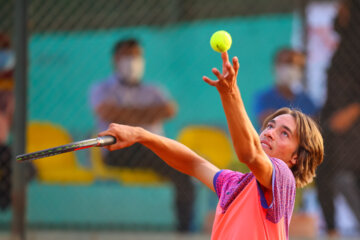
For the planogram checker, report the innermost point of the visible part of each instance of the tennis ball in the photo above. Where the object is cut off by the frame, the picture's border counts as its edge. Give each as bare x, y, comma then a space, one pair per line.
221, 41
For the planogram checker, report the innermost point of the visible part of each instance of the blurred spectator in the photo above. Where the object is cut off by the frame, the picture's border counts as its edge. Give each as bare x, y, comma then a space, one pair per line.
288, 90
322, 41
123, 98
7, 63
340, 119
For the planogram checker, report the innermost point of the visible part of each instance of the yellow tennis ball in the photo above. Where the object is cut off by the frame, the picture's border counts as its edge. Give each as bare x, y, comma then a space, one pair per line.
221, 41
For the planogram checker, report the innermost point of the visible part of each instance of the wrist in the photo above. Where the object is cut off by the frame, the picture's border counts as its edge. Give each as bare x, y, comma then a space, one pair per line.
231, 94
142, 136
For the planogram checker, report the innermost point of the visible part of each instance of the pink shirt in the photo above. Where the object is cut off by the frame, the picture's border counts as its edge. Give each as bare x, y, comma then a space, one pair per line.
242, 211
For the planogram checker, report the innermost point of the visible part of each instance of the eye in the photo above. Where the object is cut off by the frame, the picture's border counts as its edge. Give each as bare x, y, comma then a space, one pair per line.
270, 125
285, 133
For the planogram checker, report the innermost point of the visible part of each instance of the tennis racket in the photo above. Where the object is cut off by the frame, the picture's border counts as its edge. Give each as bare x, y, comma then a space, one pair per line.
74, 146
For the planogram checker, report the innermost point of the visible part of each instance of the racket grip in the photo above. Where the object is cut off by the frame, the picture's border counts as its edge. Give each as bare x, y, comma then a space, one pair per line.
105, 140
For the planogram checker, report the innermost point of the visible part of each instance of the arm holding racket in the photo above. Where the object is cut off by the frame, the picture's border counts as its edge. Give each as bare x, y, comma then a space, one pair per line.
175, 154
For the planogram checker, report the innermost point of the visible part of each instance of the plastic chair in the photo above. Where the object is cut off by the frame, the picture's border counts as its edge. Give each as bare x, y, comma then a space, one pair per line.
209, 142
62, 168
126, 176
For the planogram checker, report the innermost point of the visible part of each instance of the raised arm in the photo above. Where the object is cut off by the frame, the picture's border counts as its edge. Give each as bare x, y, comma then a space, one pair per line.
245, 139
175, 154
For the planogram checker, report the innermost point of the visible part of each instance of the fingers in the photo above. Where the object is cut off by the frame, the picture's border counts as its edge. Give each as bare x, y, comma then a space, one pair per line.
236, 64
229, 70
118, 145
104, 133
111, 132
213, 82
114, 147
217, 73
225, 57
209, 81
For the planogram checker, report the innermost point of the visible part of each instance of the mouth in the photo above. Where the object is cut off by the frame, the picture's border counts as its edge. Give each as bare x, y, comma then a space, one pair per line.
265, 144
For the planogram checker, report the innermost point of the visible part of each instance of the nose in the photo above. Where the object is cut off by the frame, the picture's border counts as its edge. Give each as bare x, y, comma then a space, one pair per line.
269, 133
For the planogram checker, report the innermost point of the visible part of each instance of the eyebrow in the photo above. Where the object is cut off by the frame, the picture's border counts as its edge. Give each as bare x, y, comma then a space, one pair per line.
283, 126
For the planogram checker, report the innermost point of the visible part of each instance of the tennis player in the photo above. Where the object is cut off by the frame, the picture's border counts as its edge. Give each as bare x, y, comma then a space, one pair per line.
254, 205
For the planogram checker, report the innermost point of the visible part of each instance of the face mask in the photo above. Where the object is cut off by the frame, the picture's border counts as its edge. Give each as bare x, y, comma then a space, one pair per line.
289, 75
131, 69
7, 60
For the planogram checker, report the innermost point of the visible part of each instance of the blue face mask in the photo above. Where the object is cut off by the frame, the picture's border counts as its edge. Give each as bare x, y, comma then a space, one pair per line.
7, 60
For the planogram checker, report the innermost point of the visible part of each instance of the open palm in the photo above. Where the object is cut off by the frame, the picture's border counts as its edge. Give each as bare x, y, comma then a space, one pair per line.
226, 81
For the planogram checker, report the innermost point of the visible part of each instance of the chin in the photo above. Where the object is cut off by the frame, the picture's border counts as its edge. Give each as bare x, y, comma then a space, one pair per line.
267, 151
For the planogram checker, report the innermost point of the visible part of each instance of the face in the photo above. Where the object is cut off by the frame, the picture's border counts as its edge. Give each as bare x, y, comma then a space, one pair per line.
279, 139
129, 63
288, 70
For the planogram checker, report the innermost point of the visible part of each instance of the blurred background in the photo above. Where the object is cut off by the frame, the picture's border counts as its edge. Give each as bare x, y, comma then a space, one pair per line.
71, 63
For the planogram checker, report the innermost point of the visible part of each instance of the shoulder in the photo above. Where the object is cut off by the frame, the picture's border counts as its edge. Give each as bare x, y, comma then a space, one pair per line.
229, 184
227, 174
225, 179
282, 170
104, 83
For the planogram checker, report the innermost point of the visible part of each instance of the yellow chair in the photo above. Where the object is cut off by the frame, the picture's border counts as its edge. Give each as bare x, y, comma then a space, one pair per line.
62, 168
126, 176
209, 142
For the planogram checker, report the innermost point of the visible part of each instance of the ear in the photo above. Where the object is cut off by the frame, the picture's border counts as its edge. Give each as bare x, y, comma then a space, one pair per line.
294, 159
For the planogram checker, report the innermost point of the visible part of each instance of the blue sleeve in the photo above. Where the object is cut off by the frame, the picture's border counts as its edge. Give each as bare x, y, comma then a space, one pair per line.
214, 181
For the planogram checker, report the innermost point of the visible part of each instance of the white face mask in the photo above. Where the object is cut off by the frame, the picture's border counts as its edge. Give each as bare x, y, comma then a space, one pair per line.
131, 68
289, 75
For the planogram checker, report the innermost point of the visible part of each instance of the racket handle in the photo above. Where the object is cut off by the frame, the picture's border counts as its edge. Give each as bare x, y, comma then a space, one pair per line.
105, 140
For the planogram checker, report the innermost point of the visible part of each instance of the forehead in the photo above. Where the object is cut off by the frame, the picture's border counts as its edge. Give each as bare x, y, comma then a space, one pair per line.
285, 56
286, 120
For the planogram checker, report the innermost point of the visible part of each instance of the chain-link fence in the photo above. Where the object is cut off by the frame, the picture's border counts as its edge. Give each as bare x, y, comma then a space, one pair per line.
83, 75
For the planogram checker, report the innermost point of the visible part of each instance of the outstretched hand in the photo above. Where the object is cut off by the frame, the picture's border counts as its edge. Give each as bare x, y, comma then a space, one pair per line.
226, 81
125, 135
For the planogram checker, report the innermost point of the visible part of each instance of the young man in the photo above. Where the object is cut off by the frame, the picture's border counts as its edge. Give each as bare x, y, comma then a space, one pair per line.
259, 204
